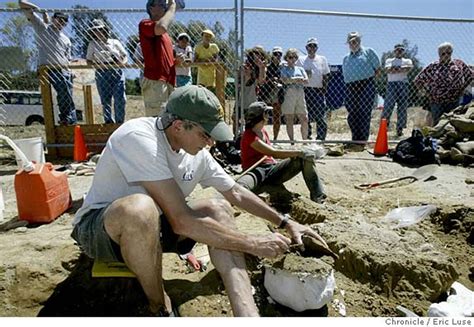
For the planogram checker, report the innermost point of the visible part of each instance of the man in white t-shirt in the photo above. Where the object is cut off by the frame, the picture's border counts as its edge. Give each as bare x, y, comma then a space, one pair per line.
397, 87
147, 169
317, 69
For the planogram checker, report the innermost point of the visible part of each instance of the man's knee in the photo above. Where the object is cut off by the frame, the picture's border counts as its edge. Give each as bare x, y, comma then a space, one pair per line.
137, 212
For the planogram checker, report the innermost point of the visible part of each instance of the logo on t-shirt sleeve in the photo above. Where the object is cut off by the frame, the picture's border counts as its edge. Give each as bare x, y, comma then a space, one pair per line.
188, 176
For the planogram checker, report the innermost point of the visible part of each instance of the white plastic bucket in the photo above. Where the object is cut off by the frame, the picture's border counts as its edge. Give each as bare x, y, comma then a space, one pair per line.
32, 148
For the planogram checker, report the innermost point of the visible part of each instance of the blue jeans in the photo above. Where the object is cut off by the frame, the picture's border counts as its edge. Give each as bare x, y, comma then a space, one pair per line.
360, 101
183, 80
438, 109
317, 109
61, 80
397, 92
111, 83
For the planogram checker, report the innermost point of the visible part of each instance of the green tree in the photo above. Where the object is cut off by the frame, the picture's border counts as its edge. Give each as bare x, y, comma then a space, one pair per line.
411, 52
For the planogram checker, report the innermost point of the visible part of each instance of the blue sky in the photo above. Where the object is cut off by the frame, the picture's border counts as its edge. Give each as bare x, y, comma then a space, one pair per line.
434, 8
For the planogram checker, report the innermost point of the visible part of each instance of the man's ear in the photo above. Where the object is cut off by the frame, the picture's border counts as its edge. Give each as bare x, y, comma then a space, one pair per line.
177, 125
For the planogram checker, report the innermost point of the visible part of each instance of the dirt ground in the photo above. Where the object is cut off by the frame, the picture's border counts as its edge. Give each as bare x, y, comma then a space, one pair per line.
43, 273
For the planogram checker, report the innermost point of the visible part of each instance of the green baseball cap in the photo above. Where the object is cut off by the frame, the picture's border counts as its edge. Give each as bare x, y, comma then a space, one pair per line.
199, 105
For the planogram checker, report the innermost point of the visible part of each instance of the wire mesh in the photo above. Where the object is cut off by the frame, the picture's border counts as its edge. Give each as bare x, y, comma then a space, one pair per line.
111, 76
350, 104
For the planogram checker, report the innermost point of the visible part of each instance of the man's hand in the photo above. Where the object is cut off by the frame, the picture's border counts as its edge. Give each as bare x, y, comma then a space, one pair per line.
297, 230
169, 3
271, 245
179, 59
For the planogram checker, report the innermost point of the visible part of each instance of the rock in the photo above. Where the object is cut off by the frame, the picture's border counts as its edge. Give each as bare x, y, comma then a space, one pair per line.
443, 154
300, 283
466, 147
463, 125
336, 151
469, 181
456, 155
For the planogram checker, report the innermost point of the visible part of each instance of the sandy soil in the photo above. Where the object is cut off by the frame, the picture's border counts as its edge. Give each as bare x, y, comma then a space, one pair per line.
42, 271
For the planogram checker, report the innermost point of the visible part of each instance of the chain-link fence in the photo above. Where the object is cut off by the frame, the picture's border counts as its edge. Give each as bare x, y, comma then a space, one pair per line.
97, 77
92, 72
346, 95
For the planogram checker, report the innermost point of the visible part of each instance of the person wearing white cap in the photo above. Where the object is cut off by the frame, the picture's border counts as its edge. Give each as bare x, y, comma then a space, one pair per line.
272, 92
157, 48
317, 68
397, 69
183, 70
136, 208
103, 51
54, 48
359, 68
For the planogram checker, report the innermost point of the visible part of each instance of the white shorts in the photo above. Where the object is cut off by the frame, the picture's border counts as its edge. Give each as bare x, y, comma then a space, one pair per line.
155, 95
294, 103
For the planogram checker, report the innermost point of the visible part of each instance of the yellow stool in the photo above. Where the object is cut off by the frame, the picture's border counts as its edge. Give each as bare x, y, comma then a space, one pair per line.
111, 269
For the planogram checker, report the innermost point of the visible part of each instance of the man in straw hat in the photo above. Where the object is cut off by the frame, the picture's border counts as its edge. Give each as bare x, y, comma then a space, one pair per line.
148, 168
206, 52
157, 48
359, 68
54, 50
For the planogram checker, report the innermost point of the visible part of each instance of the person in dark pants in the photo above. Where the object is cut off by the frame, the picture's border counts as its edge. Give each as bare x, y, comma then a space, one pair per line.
359, 68
317, 69
397, 87
255, 144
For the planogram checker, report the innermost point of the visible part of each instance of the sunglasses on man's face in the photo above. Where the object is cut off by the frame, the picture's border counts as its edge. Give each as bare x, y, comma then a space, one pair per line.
311, 45
444, 53
277, 54
292, 57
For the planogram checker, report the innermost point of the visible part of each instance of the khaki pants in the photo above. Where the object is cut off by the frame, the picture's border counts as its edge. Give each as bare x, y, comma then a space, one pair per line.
155, 95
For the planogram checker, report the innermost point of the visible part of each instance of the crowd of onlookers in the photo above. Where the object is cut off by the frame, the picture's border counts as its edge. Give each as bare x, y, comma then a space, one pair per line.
297, 87
294, 85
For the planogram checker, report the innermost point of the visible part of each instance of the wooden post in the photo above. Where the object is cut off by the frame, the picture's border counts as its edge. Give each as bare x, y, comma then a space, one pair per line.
220, 85
88, 106
48, 112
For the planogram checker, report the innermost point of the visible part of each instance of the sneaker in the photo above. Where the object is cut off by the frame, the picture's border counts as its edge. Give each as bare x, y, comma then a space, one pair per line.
319, 199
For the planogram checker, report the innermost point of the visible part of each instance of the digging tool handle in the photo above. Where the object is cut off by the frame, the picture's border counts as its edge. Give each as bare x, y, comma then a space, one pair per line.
388, 181
251, 167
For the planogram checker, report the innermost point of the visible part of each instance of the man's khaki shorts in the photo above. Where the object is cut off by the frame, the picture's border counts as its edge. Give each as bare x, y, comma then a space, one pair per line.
155, 95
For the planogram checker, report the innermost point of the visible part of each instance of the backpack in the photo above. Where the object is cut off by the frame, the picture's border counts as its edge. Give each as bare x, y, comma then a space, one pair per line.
416, 150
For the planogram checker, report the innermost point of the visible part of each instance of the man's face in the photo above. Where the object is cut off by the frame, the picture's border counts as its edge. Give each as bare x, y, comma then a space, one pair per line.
194, 139
157, 9
276, 57
59, 23
183, 43
399, 52
311, 48
354, 44
206, 38
445, 54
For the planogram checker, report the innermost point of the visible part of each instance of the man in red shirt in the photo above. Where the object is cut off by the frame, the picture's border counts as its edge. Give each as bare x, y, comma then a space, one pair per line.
255, 144
160, 73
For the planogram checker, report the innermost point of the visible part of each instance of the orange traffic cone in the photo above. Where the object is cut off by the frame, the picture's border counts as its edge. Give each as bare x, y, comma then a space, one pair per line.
381, 145
80, 148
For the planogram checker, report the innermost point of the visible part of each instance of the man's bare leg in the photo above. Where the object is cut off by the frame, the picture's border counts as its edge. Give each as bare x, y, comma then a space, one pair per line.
230, 264
133, 223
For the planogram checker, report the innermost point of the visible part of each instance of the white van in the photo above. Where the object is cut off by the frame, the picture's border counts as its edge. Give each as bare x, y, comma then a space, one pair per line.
24, 108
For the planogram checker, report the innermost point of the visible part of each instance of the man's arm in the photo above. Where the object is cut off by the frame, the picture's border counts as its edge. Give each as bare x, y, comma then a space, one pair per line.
268, 150
189, 223
245, 199
161, 26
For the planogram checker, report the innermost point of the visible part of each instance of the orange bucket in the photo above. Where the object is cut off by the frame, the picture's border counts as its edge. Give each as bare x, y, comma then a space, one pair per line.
42, 194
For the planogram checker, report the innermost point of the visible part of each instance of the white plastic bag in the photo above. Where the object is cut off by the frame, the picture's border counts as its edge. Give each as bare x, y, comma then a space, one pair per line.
407, 216
314, 151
